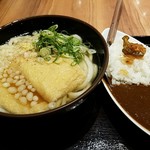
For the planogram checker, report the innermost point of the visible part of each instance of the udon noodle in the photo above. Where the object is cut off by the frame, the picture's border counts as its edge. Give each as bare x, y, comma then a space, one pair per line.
30, 71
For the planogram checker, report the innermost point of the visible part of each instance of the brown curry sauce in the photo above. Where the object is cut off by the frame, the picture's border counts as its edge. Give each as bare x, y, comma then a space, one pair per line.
135, 99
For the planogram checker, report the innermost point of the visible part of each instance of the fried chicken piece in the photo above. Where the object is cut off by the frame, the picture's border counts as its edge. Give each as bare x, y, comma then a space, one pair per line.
133, 49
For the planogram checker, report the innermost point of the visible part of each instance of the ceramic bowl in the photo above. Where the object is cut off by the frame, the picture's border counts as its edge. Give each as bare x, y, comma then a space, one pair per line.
60, 126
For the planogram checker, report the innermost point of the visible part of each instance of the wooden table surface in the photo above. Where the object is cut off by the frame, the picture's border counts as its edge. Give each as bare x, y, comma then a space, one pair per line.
135, 17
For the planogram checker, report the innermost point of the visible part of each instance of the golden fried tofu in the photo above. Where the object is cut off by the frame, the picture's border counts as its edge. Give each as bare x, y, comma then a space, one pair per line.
52, 80
10, 104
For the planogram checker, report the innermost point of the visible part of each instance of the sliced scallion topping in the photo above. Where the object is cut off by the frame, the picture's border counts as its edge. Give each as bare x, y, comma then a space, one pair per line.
56, 44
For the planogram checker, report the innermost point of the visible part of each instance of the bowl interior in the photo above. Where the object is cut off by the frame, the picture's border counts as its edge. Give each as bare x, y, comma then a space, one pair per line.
71, 26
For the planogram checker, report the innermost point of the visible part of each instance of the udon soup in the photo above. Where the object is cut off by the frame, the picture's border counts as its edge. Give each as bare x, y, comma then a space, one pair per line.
44, 70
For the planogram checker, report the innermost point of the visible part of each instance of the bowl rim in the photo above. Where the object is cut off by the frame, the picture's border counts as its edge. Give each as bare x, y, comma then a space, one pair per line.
77, 101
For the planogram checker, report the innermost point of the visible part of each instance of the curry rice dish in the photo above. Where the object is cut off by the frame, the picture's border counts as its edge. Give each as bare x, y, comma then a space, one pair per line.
129, 73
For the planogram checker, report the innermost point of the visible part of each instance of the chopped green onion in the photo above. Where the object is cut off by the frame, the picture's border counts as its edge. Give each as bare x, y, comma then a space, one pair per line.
44, 52
56, 44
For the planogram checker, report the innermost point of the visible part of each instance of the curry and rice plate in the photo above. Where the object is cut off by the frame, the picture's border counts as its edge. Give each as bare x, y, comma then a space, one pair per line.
128, 75
43, 71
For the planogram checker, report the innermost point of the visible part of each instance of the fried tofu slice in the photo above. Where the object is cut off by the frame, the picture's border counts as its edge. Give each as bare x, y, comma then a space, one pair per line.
52, 80
10, 104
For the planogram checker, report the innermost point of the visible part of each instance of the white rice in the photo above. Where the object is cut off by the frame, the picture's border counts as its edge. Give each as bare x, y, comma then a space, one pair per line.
136, 73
